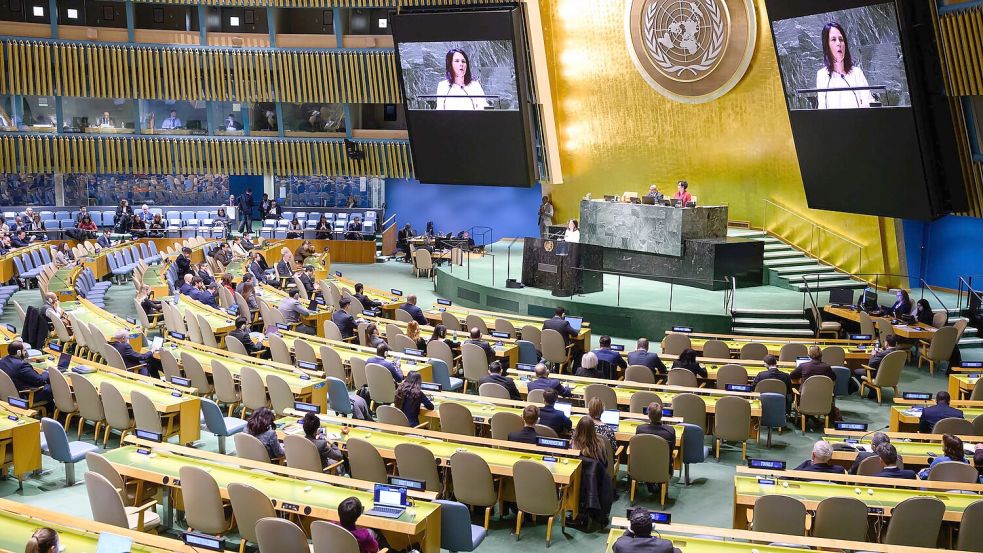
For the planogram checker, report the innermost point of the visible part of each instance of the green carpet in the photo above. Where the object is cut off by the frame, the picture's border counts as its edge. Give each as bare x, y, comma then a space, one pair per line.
708, 501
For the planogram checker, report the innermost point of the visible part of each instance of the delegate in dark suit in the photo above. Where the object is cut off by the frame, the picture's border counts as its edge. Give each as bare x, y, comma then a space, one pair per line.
648, 359
810, 369
612, 358
527, 435
367, 302
809, 466
562, 326
895, 472
183, 263
243, 336
663, 431
502, 381
415, 312
555, 419
25, 377
547, 384
774, 373
489, 352
631, 544
935, 413
131, 358
345, 322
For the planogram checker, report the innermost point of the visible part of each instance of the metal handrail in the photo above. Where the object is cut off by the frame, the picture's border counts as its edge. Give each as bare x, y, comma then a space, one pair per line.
875, 282
969, 291
391, 219
815, 234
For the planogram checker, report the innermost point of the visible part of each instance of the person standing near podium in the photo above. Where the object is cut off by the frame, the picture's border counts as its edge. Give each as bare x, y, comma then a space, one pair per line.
682, 193
545, 216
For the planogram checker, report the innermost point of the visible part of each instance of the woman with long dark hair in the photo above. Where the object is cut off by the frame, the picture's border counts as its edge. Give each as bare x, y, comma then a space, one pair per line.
409, 397
456, 91
839, 71
923, 312
687, 360
260, 426
440, 333
952, 450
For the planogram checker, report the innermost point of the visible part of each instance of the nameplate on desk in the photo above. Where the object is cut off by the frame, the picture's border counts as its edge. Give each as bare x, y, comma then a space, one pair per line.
411, 351
973, 375
306, 407
525, 366
55, 347
307, 365
178, 381
303, 376
686, 329
17, 402
290, 507
396, 292
205, 541
369, 313
431, 386
131, 320
547, 268
337, 274
479, 419
143, 451
319, 300
148, 435
444, 302
768, 464
857, 426
766, 481
282, 326
863, 337
11, 327
918, 396
176, 335
176, 394
972, 364
739, 388
617, 347
875, 510
502, 335
549, 459
656, 516
558, 443
13, 417
408, 483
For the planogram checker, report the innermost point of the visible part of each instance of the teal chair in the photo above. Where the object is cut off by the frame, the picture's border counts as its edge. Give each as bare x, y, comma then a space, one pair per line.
62, 450
219, 424
456, 531
442, 376
338, 399
527, 352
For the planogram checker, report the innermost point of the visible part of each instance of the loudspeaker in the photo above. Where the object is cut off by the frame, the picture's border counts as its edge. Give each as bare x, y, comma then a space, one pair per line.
513, 283
353, 151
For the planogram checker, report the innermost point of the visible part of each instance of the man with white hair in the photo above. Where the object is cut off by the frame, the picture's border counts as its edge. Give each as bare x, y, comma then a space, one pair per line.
131, 358
822, 452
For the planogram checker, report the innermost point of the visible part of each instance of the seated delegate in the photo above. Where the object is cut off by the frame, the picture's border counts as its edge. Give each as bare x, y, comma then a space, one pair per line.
822, 453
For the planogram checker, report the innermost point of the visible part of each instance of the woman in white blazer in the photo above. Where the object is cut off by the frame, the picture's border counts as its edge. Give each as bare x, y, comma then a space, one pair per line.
457, 91
838, 71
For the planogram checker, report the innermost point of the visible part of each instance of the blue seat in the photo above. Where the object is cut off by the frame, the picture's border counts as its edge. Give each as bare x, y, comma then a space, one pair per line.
154, 252
201, 215
62, 450
36, 258
842, 385
338, 399
219, 424
96, 218
456, 531
45, 256
185, 215
772, 412
527, 352
280, 233
63, 216
288, 216
173, 215
694, 448
442, 376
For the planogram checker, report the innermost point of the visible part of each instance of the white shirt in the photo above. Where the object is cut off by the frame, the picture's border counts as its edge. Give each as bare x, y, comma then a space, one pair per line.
847, 99
462, 104
571, 235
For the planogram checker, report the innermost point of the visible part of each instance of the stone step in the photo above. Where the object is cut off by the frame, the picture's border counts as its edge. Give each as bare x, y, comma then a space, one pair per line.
829, 285
971, 342
767, 312
832, 275
745, 232
775, 246
766, 331
970, 332
758, 321
781, 254
785, 271
788, 262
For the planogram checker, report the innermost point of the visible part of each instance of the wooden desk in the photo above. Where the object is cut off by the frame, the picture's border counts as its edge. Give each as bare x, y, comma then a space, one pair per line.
903, 331
856, 352
7, 268
435, 314
507, 352
906, 413
219, 320
274, 296
961, 384
166, 397
62, 283
913, 448
321, 262
347, 351
307, 386
24, 435
108, 324
708, 539
500, 455
311, 495
21, 520
883, 493
390, 302
155, 279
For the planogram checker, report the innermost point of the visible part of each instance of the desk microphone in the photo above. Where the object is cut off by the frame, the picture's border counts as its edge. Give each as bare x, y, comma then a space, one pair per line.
872, 432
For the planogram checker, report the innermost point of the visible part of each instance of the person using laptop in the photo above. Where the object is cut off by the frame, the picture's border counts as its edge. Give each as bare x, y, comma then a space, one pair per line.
366, 301
476, 340
131, 358
315, 434
552, 417
682, 193
23, 374
348, 512
241, 333
772, 372
561, 325
609, 359
595, 408
654, 194
528, 435
380, 359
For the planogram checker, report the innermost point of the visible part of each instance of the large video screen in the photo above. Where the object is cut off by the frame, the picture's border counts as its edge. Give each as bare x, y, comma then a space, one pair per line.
459, 76
843, 59
464, 79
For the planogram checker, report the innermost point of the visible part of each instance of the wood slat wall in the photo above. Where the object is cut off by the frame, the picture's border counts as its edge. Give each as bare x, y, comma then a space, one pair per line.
284, 157
221, 74
962, 43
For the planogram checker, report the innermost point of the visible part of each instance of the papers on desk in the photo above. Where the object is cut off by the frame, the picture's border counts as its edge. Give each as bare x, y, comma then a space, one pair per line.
111, 543
913, 412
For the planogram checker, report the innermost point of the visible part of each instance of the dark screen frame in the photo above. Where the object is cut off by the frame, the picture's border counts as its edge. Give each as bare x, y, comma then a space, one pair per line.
878, 161
493, 148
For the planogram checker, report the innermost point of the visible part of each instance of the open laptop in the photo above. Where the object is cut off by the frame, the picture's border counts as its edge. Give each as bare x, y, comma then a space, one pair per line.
64, 360
648, 200
388, 501
611, 418
575, 322
563, 408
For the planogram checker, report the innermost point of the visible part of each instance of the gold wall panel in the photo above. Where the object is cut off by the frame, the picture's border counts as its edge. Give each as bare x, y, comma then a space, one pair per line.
961, 37
618, 134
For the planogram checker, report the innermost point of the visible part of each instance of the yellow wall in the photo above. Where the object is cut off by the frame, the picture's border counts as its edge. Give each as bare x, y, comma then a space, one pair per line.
617, 133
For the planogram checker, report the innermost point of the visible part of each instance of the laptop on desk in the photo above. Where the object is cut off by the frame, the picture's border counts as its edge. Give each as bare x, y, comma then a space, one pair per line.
388, 501
575, 322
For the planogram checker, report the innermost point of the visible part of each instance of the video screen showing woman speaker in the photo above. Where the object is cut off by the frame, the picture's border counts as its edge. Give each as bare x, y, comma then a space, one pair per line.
459, 76
845, 59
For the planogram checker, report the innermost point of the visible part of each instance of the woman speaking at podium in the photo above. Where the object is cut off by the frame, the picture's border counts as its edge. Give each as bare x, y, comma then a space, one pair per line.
572, 234
454, 92
838, 71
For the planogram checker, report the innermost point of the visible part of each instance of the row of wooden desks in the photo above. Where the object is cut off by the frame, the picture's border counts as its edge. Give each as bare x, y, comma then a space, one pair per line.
107, 323
169, 399
916, 450
8, 269
812, 487
23, 436
904, 331
348, 351
501, 456
905, 413
220, 321
857, 351
436, 313
506, 349
304, 494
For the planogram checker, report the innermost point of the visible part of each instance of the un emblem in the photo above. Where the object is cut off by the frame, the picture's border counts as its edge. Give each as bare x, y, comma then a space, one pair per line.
691, 51
548, 246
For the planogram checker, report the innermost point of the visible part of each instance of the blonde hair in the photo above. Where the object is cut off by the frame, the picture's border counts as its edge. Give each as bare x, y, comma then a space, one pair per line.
413, 330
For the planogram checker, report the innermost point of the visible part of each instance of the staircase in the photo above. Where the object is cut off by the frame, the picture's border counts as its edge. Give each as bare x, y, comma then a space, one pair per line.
787, 267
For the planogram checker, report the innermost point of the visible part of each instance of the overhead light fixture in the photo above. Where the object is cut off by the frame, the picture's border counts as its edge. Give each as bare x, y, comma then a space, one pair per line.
233, 21
38, 11
73, 13
383, 23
